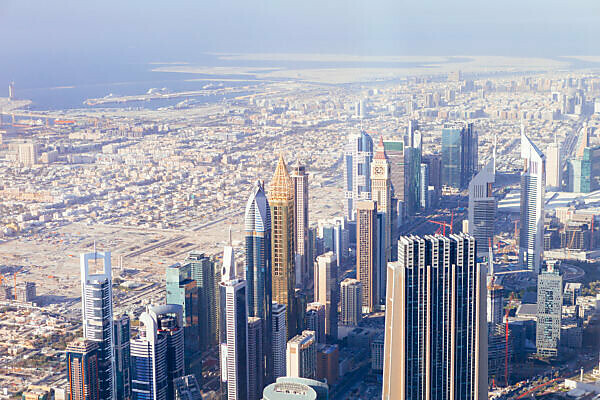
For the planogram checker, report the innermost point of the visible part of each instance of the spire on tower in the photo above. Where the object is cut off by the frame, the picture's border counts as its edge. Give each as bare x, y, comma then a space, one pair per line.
380, 153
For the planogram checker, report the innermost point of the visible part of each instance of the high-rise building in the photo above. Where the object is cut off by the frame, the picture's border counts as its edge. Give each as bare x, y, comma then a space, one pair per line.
554, 166
549, 310
258, 267
482, 207
314, 320
288, 388
328, 356
351, 299
256, 368
203, 271
82, 367
149, 360
459, 154
279, 339
122, 336
183, 290
301, 356
300, 181
424, 186
234, 331
533, 191
435, 329
97, 312
495, 303
358, 155
281, 200
28, 154
326, 291
169, 322
187, 388
381, 193
366, 253
394, 150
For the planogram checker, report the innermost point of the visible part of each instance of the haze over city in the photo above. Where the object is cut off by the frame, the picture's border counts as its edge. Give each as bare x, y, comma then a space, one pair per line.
258, 200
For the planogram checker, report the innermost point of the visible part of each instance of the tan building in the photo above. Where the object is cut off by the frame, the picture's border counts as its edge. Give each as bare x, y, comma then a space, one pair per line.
300, 181
326, 291
28, 154
366, 253
435, 322
281, 200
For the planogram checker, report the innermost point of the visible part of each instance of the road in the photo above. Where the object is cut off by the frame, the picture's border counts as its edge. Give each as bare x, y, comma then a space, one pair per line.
341, 391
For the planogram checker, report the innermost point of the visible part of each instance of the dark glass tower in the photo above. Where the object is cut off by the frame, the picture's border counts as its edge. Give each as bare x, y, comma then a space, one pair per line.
122, 336
202, 270
258, 268
459, 155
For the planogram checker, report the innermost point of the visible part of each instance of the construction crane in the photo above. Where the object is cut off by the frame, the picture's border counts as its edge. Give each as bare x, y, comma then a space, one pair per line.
444, 224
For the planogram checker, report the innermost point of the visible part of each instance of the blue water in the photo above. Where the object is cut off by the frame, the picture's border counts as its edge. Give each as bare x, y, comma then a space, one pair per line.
57, 82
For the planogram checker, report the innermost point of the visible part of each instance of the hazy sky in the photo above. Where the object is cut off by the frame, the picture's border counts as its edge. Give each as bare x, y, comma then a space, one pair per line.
180, 30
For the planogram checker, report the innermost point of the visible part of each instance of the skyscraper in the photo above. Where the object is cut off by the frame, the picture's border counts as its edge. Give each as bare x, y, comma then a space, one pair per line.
258, 267
554, 166
381, 192
435, 328
203, 271
256, 368
482, 207
97, 312
358, 155
183, 290
459, 154
326, 291
424, 186
314, 320
366, 253
281, 200
279, 339
549, 310
351, 290
394, 150
82, 367
122, 336
533, 191
300, 181
301, 356
233, 331
169, 322
149, 360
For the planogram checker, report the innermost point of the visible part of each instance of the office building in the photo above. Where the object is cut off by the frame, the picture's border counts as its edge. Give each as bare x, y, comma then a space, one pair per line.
366, 253
351, 301
82, 369
553, 166
394, 150
97, 313
301, 356
288, 388
424, 187
187, 388
435, 334
358, 155
256, 370
203, 270
459, 154
183, 290
482, 207
25, 292
169, 323
233, 331
300, 181
314, 320
149, 360
28, 154
495, 302
377, 351
326, 291
122, 336
549, 310
279, 339
533, 191
257, 226
328, 356
281, 200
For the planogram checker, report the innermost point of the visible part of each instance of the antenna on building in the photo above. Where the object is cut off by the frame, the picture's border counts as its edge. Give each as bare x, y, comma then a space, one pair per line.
230, 235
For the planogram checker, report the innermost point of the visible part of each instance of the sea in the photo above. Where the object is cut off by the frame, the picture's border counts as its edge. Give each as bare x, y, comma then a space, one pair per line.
61, 83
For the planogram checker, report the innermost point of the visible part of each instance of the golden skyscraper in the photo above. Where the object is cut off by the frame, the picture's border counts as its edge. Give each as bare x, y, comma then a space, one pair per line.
281, 200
